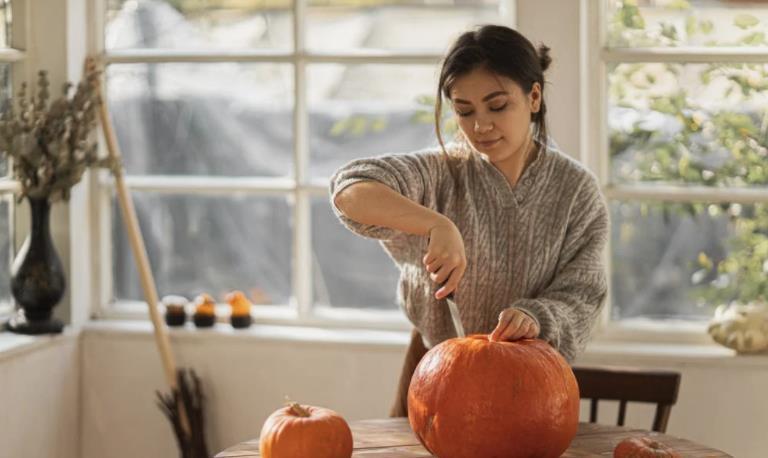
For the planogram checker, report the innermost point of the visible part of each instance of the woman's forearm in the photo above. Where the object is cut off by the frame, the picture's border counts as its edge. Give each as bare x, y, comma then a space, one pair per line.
370, 202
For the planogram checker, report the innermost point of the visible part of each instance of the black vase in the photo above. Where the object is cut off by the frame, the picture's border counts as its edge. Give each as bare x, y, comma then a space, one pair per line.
37, 276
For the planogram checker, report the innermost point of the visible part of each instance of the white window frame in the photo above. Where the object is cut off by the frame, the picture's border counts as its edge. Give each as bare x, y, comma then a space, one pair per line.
16, 56
596, 56
300, 186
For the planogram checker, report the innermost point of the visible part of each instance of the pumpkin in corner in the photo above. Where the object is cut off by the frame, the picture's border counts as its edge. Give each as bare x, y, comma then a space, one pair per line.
297, 431
480, 398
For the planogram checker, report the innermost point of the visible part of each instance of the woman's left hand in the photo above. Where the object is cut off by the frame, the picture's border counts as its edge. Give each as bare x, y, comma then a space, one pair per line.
514, 324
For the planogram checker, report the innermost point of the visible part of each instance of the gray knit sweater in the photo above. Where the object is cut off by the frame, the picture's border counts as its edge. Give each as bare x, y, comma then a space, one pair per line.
536, 246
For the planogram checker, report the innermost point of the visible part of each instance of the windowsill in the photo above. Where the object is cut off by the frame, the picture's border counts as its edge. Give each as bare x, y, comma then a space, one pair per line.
632, 353
259, 332
323, 317
14, 345
598, 352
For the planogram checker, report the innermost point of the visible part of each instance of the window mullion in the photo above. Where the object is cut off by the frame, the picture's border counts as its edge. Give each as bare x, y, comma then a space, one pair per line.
259, 56
670, 193
21, 39
508, 13
101, 182
299, 26
11, 55
685, 55
302, 230
9, 186
206, 185
97, 18
102, 245
597, 102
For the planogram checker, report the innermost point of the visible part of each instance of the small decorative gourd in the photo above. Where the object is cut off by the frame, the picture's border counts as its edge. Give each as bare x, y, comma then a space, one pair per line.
241, 309
743, 328
175, 313
205, 311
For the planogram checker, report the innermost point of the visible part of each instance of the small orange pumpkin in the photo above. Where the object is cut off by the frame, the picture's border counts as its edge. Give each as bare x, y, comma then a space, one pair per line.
643, 447
205, 305
241, 306
305, 431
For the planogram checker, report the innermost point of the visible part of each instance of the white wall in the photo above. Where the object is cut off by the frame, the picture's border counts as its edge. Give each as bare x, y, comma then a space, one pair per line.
39, 399
245, 379
722, 402
556, 24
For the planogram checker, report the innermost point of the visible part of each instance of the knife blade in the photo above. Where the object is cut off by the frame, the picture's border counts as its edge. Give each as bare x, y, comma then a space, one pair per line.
455, 317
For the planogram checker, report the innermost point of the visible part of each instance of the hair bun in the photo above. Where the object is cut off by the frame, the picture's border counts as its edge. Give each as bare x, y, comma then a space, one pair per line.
544, 58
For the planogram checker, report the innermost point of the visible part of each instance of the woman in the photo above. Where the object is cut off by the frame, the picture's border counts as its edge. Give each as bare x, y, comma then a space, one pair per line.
512, 227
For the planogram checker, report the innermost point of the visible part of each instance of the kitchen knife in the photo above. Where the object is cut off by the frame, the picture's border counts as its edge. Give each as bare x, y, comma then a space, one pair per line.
455, 315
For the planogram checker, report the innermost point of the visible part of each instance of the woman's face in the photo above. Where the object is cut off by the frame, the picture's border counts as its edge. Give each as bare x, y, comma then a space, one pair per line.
493, 112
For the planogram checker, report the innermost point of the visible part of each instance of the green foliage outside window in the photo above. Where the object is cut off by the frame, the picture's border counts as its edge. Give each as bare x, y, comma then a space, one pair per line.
717, 146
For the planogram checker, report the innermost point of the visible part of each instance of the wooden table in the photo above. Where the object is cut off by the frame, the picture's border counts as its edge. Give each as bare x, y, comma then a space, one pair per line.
393, 438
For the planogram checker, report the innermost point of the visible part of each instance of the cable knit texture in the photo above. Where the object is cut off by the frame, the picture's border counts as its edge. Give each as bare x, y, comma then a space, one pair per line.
537, 246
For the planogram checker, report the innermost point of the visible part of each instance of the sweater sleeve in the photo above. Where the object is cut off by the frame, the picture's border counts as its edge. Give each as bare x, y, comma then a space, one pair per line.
569, 306
414, 175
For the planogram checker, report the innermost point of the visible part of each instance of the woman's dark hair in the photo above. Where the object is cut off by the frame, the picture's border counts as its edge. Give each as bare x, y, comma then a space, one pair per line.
503, 51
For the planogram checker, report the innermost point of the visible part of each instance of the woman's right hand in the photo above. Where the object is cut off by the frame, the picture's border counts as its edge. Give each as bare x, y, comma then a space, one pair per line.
445, 259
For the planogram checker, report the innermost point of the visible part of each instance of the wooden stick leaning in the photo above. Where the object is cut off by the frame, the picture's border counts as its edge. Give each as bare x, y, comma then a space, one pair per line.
139, 250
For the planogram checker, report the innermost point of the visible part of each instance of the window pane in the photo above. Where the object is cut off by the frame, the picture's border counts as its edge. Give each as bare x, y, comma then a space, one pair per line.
5, 252
682, 260
364, 110
413, 25
199, 25
209, 244
5, 23
203, 119
697, 124
349, 270
671, 23
5, 100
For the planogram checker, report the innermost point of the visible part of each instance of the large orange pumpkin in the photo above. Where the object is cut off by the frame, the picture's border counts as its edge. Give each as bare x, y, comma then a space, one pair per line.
305, 431
472, 397
643, 447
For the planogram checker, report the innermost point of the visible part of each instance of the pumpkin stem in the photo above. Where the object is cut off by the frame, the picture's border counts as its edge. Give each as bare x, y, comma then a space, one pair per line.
298, 410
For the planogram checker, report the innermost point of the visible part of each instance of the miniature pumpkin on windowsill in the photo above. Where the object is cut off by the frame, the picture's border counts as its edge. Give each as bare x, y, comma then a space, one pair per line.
175, 313
205, 311
297, 431
241, 309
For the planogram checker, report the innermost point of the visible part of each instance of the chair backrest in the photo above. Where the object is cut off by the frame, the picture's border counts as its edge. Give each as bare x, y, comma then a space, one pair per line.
629, 385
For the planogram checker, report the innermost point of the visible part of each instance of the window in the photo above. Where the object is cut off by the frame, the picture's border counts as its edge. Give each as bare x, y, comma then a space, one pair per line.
684, 155
8, 56
232, 116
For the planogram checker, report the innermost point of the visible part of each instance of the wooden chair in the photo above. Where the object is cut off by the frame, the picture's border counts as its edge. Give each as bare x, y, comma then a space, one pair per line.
629, 385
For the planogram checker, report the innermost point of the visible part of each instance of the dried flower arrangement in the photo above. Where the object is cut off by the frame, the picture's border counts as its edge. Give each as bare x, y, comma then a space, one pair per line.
52, 145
